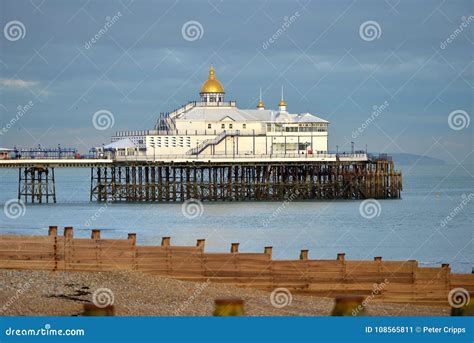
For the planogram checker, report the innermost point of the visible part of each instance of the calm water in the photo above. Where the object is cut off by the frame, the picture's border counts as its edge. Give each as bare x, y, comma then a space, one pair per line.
409, 228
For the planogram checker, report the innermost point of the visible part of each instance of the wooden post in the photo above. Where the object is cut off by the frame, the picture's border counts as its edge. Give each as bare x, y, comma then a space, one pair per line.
95, 234
268, 251
378, 258
200, 243
349, 306
229, 307
93, 310
341, 256
133, 237
53, 231
234, 247
165, 241
68, 232
304, 254
68, 242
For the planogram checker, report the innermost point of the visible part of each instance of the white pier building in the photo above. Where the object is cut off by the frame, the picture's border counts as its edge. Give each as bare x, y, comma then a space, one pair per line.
214, 127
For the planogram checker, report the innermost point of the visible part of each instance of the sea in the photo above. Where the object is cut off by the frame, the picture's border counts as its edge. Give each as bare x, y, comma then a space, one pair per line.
431, 223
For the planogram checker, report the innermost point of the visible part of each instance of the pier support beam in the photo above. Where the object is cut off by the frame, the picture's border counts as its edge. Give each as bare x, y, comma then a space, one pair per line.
240, 181
36, 185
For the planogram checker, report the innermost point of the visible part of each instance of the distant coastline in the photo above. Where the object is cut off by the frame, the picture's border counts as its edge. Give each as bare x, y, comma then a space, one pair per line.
410, 159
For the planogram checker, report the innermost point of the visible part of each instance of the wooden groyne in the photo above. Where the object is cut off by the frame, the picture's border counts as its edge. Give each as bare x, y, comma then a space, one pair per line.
389, 281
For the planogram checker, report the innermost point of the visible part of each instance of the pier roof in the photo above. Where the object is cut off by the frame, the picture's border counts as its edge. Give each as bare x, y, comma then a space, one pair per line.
237, 114
120, 144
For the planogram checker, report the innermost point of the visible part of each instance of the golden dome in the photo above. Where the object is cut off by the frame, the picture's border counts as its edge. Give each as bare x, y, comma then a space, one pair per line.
260, 104
212, 85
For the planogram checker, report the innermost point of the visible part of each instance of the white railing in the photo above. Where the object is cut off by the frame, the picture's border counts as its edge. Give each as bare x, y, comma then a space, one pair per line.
323, 157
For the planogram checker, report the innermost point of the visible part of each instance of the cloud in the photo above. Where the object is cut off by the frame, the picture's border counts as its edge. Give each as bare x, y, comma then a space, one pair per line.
17, 83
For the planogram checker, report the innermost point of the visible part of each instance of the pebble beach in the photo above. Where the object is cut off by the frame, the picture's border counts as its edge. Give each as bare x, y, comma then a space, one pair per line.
44, 293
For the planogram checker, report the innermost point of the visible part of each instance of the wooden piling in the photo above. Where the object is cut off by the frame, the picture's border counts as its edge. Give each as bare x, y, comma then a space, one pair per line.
53, 231
268, 251
304, 254
165, 241
95, 234
234, 247
68, 232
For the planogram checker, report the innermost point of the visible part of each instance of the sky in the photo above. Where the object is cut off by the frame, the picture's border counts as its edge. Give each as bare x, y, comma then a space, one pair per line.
395, 76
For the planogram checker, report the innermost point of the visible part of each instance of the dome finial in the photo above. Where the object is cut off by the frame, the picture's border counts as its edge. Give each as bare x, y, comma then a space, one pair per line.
260, 105
282, 102
212, 75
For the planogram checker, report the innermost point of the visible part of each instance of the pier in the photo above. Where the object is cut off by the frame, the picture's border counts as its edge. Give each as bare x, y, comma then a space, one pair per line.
216, 178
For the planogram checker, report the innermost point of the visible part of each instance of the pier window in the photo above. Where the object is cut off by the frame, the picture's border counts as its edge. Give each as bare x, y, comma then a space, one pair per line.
244, 126
222, 126
230, 126
209, 126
